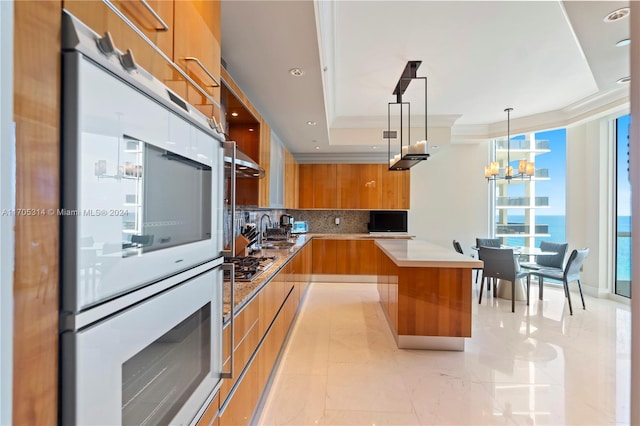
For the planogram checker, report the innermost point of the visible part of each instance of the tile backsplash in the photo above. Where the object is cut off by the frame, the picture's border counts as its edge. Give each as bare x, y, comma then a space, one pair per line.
320, 221
323, 221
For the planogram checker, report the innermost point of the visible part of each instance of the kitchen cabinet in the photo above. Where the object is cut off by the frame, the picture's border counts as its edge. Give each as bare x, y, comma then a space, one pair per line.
395, 190
324, 256
239, 409
355, 257
276, 177
344, 257
210, 416
359, 186
101, 19
187, 32
196, 49
254, 140
277, 304
291, 181
318, 186
353, 186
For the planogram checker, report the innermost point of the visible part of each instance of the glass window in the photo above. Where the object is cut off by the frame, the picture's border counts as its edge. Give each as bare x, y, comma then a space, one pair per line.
623, 209
529, 211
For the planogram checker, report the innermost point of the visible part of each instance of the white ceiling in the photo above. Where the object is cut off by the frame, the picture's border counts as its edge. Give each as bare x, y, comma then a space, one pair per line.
553, 62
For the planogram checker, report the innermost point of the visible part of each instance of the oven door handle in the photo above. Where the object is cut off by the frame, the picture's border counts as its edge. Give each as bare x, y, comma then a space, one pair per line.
231, 267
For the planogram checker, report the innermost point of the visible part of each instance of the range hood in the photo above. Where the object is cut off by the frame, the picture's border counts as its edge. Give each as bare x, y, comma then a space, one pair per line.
245, 166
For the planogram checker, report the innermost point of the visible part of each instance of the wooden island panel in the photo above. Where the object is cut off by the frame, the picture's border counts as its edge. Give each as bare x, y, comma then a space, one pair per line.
425, 292
434, 301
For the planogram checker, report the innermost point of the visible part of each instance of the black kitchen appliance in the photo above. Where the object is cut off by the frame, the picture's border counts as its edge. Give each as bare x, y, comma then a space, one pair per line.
286, 221
387, 221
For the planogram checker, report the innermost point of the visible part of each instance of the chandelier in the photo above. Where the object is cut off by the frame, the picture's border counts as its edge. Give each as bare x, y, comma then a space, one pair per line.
526, 168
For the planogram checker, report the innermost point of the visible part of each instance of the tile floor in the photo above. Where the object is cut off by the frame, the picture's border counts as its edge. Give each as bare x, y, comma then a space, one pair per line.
341, 366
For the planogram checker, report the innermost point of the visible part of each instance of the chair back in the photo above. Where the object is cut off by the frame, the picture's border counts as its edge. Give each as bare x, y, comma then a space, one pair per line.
457, 247
574, 265
498, 262
554, 260
486, 242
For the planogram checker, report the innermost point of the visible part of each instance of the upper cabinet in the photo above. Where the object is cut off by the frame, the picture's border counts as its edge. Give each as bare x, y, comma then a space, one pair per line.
353, 186
291, 181
187, 33
196, 50
252, 133
153, 17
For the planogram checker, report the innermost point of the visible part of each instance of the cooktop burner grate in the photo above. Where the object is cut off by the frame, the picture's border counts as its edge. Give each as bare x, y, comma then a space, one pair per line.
248, 268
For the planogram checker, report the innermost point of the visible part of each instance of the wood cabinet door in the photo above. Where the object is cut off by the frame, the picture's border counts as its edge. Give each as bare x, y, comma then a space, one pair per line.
306, 186
370, 186
325, 183
291, 181
101, 19
356, 257
395, 190
240, 407
348, 184
197, 51
324, 256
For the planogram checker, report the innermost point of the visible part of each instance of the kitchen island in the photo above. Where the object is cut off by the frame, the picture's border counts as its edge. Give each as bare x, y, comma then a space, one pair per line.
425, 292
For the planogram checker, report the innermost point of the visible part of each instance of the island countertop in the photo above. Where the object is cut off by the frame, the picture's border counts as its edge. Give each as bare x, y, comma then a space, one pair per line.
420, 253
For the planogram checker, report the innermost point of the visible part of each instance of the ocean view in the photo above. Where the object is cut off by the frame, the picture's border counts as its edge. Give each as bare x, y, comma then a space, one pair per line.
557, 234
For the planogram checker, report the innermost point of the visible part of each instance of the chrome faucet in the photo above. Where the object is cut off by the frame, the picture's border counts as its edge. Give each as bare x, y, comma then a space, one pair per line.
260, 234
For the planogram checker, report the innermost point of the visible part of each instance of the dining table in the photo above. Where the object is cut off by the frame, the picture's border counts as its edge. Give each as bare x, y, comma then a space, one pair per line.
503, 290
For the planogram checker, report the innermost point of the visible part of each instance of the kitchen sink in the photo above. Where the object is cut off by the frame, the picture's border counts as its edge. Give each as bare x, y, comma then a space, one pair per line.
278, 244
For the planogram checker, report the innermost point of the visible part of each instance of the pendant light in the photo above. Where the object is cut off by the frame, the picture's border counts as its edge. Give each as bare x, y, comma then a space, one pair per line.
410, 154
526, 169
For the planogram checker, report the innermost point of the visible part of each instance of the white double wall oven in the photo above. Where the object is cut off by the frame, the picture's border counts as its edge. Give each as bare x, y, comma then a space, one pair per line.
142, 204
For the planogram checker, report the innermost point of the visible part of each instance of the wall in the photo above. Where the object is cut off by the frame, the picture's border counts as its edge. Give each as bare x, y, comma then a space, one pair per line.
449, 196
589, 200
7, 178
635, 209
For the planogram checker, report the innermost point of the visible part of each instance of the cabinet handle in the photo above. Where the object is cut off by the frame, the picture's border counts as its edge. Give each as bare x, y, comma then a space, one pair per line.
160, 52
201, 65
163, 24
231, 267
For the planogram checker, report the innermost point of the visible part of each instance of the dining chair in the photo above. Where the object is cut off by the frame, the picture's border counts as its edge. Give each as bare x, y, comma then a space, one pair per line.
500, 263
570, 274
457, 247
486, 242
549, 261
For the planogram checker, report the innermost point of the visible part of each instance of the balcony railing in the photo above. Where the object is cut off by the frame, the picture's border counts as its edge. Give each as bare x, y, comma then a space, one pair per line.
520, 228
522, 202
522, 144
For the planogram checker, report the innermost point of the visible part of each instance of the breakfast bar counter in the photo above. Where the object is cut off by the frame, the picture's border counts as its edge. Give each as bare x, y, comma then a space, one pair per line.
425, 292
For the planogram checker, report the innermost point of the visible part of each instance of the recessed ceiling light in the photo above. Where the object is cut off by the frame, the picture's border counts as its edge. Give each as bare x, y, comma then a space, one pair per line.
317, 147
374, 147
617, 14
234, 114
296, 72
623, 80
623, 42
251, 130
311, 123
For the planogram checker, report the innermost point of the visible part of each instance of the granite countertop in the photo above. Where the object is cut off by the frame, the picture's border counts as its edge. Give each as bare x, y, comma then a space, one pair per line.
364, 236
244, 291
420, 253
